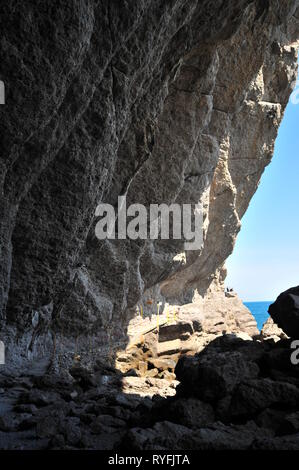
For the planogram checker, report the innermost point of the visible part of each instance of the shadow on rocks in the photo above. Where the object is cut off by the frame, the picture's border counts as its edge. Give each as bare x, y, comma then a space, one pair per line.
235, 394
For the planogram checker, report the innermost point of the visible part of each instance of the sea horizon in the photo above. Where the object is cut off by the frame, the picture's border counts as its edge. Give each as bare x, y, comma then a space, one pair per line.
259, 309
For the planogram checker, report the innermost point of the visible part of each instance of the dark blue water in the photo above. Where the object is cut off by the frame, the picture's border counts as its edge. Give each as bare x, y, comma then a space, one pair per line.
260, 311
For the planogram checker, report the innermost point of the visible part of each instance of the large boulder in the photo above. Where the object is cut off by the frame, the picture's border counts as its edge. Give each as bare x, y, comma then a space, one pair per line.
255, 395
271, 331
213, 376
161, 436
181, 329
166, 435
189, 412
285, 312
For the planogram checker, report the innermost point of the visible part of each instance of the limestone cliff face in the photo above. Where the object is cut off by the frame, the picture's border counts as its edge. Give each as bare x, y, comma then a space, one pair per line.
161, 101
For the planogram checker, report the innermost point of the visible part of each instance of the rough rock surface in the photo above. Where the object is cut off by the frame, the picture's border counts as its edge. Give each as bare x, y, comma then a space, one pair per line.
271, 331
161, 101
222, 312
156, 342
251, 401
285, 312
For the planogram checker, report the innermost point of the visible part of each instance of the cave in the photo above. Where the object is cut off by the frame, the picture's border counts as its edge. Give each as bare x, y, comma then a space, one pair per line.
134, 344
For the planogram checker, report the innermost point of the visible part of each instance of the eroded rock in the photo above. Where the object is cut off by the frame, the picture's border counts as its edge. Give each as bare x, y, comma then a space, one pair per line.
285, 312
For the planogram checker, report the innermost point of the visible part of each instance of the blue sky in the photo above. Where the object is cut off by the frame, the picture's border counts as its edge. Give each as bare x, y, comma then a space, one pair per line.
265, 261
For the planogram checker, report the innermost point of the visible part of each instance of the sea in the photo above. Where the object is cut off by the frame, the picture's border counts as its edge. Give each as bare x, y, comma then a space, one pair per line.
260, 311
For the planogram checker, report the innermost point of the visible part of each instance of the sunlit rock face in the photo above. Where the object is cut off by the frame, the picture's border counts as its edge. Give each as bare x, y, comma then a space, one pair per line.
176, 101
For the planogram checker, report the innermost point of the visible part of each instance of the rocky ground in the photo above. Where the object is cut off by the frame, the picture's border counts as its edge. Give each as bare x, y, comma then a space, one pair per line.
235, 394
223, 391
156, 342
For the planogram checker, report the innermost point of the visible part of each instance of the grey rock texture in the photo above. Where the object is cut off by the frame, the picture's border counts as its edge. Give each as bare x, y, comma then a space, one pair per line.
255, 405
221, 311
155, 343
161, 101
271, 331
285, 312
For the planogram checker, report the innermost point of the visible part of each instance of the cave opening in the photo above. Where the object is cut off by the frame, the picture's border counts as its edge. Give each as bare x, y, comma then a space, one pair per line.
135, 343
